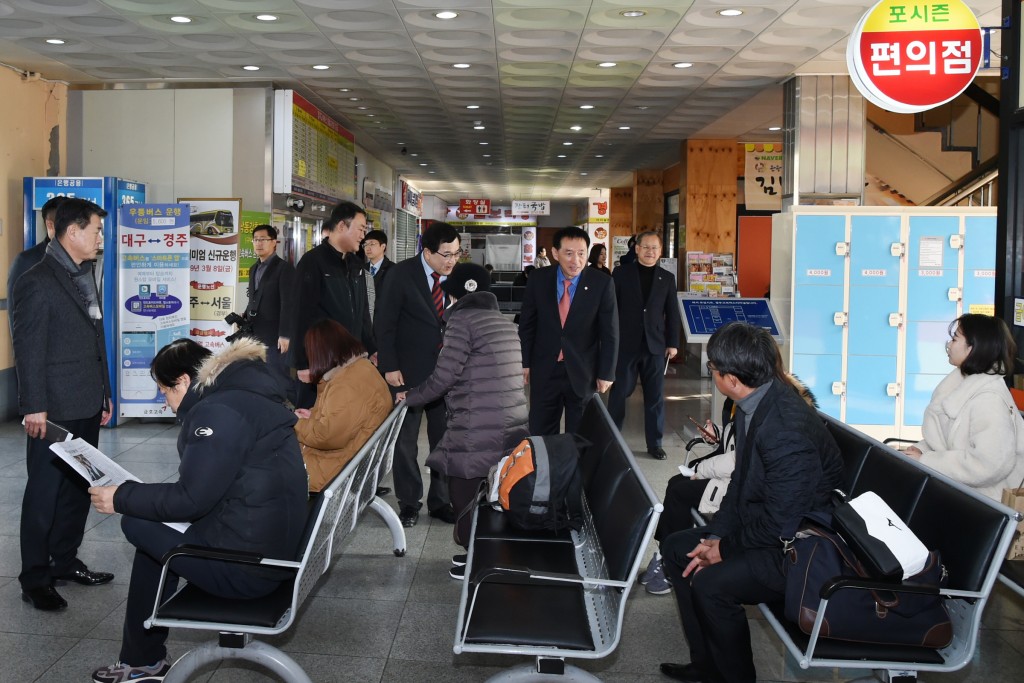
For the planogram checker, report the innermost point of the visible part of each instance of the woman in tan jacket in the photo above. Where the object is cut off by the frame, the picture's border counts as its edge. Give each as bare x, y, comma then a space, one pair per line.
352, 400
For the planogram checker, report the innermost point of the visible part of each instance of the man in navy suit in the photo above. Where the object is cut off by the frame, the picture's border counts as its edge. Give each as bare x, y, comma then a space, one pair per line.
569, 329
407, 324
648, 337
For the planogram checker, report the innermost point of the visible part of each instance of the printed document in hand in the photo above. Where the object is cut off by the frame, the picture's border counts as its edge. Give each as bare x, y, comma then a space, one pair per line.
97, 469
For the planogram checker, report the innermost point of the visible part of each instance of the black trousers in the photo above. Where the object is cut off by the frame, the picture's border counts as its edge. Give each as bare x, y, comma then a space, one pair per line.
405, 469
141, 646
649, 368
277, 362
710, 606
463, 494
549, 397
54, 509
681, 495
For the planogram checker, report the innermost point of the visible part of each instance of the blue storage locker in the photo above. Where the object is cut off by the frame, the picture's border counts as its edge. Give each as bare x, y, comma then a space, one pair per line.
867, 402
979, 263
818, 372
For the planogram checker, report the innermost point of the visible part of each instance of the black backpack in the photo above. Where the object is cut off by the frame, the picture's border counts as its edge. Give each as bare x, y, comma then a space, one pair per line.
540, 485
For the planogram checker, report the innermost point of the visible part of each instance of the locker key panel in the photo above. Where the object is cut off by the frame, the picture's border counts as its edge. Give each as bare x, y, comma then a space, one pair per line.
814, 329
867, 400
979, 263
919, 388
814, 259
926, 347
818, 372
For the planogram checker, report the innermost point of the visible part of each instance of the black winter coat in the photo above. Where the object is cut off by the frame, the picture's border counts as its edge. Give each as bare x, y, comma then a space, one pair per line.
241, 481
480, 369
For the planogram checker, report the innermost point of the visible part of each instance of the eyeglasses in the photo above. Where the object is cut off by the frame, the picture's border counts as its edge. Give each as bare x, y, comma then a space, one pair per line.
711, 368
449, 256
261, 240
651, 247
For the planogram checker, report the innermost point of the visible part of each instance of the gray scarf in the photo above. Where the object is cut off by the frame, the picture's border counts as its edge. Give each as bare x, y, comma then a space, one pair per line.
82, 276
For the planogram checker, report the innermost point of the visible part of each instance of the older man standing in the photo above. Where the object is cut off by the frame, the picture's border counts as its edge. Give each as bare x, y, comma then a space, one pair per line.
648, 337
61, 360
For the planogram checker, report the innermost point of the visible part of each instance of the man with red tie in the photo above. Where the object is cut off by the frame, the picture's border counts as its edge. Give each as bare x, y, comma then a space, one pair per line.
407, 324
569, 329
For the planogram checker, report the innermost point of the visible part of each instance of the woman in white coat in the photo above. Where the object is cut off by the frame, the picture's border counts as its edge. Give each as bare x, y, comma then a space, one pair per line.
972, 430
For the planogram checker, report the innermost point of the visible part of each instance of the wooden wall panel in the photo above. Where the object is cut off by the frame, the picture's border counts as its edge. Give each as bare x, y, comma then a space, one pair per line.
710, 178
670, 178
620, 211
648, 200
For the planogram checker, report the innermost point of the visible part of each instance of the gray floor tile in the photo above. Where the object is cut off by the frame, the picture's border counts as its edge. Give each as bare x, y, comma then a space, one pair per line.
29, 657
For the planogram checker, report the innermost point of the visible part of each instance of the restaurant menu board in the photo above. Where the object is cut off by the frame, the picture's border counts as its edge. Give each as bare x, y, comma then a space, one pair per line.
702, 316
323, 154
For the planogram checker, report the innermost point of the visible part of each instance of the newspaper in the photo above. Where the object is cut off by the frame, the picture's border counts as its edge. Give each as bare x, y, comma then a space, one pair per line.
97, 469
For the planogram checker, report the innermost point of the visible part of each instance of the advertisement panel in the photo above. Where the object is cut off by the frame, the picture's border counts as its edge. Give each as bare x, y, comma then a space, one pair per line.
153, 275
213, 268
762, 176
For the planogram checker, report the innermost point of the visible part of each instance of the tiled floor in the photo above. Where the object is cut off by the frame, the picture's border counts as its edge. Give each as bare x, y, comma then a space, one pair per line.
376, 617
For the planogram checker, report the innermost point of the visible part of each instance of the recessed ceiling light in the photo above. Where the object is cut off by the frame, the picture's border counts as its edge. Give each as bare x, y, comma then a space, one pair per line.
54, 41
487, 156
415, 154
561, 156
598, 156
683, 65
479, 127
266, 17
472, 106
446, 14
321, 67
607, 64
423, 164
353, 99
586, 106
182, 20
584, 173
343, 89
362, 107
461, 65
623, 127
575, 127
372, 115
730, 12
251, 68
643, 108
431, 172
485, 143
632, 13
775, 128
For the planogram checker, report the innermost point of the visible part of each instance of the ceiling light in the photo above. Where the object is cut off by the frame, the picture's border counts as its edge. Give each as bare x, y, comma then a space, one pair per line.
353, 99
485, 143
730, 12
373, 115
461, 65
607, 64
266, 17
633, 13
586, 106
775, 128
415, 154
182, 20
251, 68
623, 127
446, 14
598, 156
54, 41
561, 156
584, 173
472, 106
423, 164
567, 144
683, 65
575, 127
487, 156
431, 172
343, 89
479, 127
643, 108
362, 107
321, 67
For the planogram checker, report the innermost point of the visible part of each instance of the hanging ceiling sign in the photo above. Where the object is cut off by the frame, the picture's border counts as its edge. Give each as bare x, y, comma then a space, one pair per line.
907, 57
531, 207
480, 207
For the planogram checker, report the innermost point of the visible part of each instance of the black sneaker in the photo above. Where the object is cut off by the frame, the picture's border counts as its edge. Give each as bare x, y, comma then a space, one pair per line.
459, 560
458, 572
120, 673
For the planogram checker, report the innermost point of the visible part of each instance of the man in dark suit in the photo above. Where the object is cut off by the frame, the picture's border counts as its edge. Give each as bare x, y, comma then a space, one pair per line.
569, 328
332, 284
407, 324
30, 257
648, 337
375, 246
786, 465
271, 309
61, 360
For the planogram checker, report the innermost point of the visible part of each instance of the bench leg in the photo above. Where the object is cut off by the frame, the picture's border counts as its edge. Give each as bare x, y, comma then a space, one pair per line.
390, 517
262, 654
527, 673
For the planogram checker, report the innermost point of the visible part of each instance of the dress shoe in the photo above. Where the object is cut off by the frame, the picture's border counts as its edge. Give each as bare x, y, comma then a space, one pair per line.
409, 517
446, 514
86, 577
382, 491
657, 453
45, 598
688, 673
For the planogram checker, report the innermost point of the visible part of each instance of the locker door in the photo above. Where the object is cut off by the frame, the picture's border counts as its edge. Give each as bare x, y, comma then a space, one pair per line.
979, 264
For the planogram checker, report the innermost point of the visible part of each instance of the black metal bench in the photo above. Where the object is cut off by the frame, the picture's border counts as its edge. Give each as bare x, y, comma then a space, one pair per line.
333, 514
555, 596
971, 531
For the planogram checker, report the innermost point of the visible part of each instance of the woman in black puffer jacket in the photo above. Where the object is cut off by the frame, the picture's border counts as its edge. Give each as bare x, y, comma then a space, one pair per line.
480, 373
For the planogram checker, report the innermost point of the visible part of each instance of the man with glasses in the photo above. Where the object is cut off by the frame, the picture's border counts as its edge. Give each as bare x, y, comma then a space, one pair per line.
408, 327
271, 309
648, 337
787, 464
332, 285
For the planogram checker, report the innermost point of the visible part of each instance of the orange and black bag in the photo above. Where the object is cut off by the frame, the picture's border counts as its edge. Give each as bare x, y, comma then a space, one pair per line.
540, 485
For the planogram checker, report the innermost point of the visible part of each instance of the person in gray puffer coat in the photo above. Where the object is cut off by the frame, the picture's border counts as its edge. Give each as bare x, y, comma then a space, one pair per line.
480, 373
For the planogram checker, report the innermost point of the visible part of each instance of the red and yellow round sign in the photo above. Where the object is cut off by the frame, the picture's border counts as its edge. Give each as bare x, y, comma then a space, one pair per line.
908, 56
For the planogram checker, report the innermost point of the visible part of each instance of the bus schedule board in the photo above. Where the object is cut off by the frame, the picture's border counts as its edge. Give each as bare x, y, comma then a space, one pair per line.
702, 316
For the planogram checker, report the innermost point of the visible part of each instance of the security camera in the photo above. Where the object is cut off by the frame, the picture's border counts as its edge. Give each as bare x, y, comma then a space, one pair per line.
295, 203
404, 151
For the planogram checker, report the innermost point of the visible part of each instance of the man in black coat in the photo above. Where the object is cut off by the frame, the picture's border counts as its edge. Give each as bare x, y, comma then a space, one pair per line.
569, 329
648, 337
332, 285
271, 309
407, 323
786, 465
28, 258
61, 360
375, 246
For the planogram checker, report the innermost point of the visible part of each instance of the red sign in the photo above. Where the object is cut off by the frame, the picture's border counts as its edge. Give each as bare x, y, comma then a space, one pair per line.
908, 57
481, 207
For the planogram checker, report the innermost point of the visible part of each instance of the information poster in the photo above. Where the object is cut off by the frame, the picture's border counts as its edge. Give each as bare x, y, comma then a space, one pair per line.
153, 286
323, 154
213, 268
246, 254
